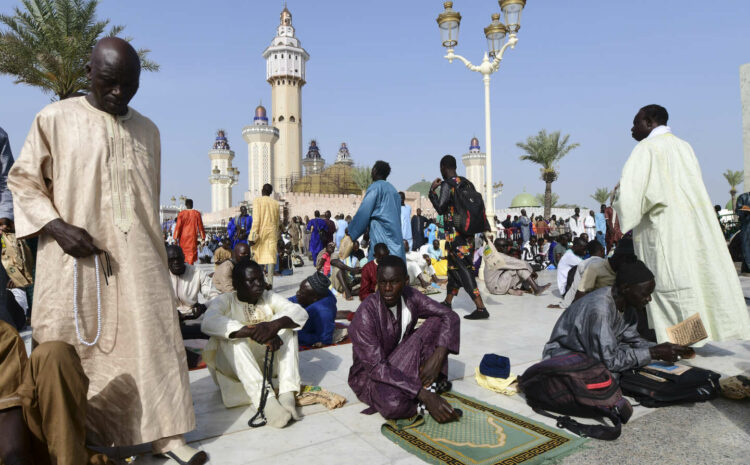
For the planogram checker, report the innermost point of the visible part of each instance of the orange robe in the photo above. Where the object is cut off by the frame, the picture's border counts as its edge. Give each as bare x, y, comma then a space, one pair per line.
189, 225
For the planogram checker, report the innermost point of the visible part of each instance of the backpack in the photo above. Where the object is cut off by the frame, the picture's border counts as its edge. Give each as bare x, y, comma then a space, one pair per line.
470, 216
578, 385
659, 385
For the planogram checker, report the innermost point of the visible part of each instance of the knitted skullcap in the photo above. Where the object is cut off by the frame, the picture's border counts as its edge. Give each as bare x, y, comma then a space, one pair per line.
320, 283
633, 273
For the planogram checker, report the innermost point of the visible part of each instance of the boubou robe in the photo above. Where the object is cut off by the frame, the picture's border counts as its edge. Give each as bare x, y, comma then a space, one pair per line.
381, 211
662, 198
102, 173
265, 230
189, 226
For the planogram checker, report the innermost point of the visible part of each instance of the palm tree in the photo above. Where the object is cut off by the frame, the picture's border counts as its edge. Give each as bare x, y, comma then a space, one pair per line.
546, 150
601, 195
362, 177
48, 43
555, 199
734, 178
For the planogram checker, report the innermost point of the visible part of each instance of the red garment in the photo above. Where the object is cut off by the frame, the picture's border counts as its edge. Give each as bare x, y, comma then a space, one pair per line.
189, 225
369, 280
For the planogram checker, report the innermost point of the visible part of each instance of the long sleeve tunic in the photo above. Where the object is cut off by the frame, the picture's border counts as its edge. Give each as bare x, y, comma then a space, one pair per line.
381, 211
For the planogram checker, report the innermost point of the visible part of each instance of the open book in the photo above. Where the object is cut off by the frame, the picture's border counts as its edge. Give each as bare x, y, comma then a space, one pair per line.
687, 332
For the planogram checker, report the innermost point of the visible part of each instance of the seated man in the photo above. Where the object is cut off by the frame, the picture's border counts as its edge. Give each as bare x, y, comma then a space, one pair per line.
395, 364
504, 274
324, 259
320, 304
603, 324
420, 269
188, 282
241, 325
438, 260
204, 253
530, 251
223, 253
42, 404
223, 274
596, 255
561, 246
601, 273
571, 258
370, 271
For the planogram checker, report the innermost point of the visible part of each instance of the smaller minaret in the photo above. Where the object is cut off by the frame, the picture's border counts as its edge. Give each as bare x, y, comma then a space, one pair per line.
343, 157
313, 162
475, 162
223, 175
261, 139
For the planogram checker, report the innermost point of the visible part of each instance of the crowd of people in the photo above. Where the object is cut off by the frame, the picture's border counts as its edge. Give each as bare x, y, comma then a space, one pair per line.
98, 373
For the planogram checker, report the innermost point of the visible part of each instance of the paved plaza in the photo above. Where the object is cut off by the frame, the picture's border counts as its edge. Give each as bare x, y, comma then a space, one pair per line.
712, 433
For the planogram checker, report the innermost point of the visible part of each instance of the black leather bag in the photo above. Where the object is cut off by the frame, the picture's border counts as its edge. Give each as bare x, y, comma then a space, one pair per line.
656, 388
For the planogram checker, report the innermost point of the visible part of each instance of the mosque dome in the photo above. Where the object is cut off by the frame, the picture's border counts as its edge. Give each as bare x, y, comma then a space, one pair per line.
260, 113
313, 151
221, 142
474, 145
524, 199
423, 187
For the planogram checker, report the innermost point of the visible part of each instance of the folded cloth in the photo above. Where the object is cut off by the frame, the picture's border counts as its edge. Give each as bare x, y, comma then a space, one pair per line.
507, 386
309, 395
496, 366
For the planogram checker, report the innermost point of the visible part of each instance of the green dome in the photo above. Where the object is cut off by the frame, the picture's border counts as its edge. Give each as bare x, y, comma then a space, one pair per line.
423, 187
524, 199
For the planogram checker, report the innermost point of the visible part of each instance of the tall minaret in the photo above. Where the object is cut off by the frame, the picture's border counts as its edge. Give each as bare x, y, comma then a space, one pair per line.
260, 138
475, 163
223, 175
285, 71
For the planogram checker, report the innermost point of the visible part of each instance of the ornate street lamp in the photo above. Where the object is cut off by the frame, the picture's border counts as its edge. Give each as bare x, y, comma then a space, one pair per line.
448, 22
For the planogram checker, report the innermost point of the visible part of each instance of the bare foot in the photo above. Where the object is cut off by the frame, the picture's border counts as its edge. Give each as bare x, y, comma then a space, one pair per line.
516, 292
542, 289
553, 306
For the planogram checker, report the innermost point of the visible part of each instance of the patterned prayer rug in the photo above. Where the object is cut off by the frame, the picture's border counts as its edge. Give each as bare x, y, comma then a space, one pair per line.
485, 435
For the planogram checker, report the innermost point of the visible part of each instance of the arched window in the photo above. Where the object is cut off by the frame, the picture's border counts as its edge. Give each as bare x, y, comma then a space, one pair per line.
281, 118
291, 118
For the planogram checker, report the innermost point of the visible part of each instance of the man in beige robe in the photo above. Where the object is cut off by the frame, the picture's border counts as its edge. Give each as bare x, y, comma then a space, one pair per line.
264, 235
662, 199
223, 275
87, 182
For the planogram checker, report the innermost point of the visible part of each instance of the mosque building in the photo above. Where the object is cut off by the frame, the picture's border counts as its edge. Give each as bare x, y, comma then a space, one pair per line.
223, 175
475, 162
261, 141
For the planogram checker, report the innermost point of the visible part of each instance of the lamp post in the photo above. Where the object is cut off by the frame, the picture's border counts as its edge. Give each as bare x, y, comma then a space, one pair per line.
448, 22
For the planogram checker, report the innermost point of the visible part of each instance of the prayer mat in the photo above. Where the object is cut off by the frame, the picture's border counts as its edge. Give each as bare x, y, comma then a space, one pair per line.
338, 326
484, 435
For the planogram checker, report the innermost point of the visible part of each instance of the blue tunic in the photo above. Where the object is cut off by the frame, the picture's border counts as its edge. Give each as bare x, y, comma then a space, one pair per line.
381, 211
319, 327
316, 225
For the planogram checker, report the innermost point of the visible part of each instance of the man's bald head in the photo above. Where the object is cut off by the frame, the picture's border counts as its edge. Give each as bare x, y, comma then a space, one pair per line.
241, 252
114, 71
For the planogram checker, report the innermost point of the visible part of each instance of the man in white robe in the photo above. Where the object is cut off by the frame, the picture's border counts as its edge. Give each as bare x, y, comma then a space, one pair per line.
87, 182
241, 325
662, 198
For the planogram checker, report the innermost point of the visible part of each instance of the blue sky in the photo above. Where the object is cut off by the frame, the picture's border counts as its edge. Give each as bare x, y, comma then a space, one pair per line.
377, 80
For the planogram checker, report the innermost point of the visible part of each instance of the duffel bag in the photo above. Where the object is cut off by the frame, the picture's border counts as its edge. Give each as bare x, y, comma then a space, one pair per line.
659, 385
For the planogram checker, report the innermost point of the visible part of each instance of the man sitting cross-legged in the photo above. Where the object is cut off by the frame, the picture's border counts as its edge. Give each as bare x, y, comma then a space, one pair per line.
420, 269
320, 303
241, 324
223, 274
603, 324
331, 265
395, 364
504, 274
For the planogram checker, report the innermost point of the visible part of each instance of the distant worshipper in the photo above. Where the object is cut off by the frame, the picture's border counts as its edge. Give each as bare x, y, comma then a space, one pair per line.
42, 403
319, 302
418, 226
381, 211
595, 251
331, 229
370, 271
264, 234
602, 273
504, 274
603, 325
189, 227
601, 226
406, 221
662, 198
571, 258
395, 364
324, 259
530, 251
222, 279
560, 248
317, 228
459, 248
575, 223
223, 253
342, 270
204, 253
239, 227
742, 210
341, 225
589, 224
525, 225
241, 325
420, 270
188, 282
63, 190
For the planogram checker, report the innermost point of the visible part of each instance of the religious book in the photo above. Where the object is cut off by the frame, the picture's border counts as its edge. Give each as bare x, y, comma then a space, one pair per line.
687, 332
665, 367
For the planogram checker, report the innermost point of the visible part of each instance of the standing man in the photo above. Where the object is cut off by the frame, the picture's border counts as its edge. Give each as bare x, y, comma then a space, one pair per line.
264, 236
341, 226
418, 225
189, 226
575, 223
662, 198
405, 221
525, 224
460, 248
6, 223
601, 226
87, 182
317, 228
242, 226
381, 211
330, 237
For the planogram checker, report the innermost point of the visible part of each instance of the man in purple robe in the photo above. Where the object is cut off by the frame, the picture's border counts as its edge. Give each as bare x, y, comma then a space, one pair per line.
394, 363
